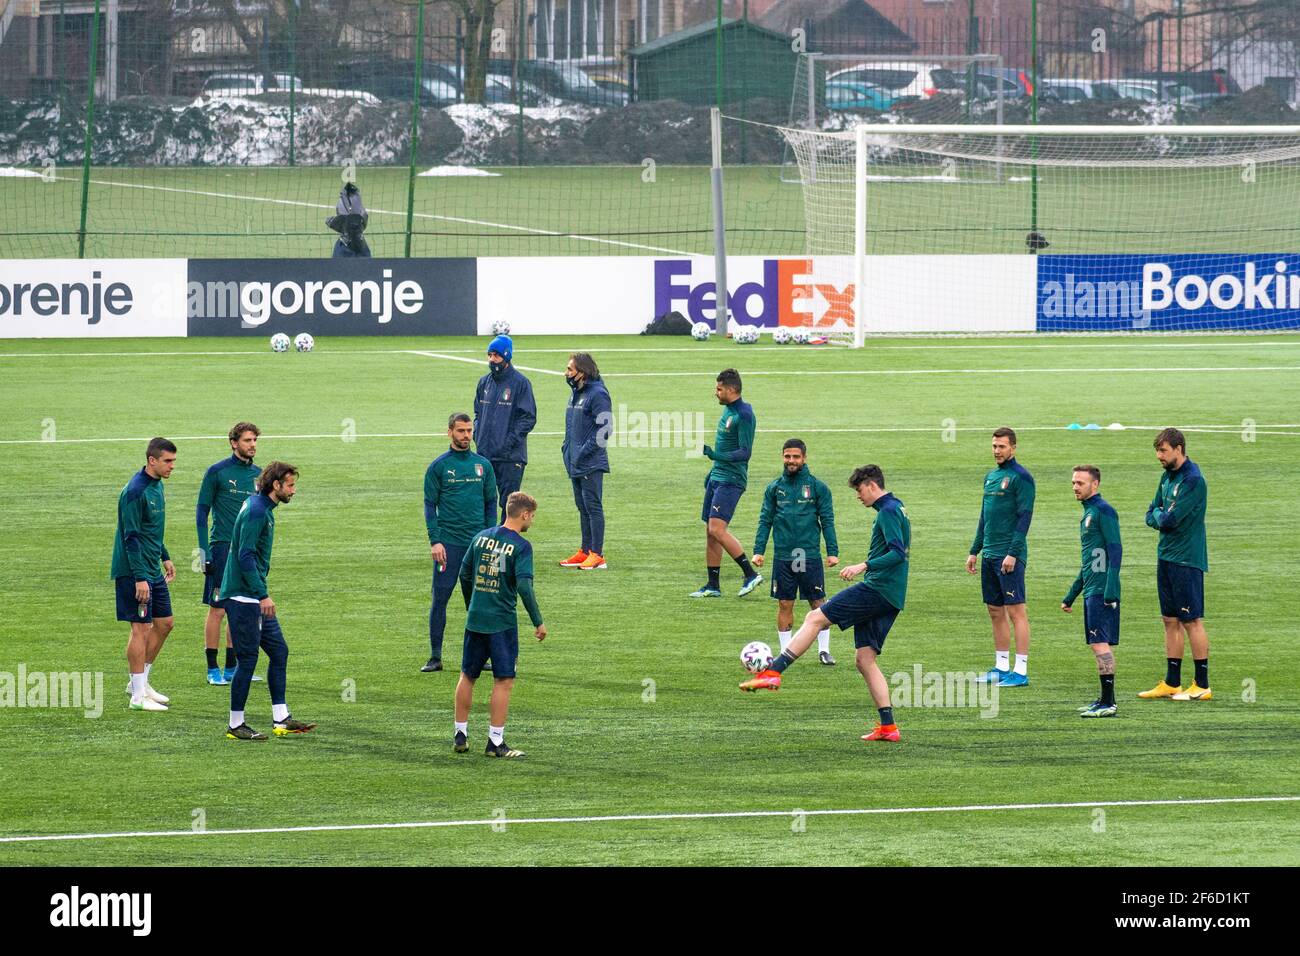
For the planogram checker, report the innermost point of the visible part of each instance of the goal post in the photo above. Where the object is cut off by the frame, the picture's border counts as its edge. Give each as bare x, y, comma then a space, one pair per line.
1087, 229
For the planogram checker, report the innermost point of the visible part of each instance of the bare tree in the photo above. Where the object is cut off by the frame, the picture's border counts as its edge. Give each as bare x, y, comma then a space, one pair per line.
480, 18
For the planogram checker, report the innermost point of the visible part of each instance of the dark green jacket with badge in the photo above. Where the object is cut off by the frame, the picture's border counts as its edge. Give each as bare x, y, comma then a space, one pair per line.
1101, 552
797, 512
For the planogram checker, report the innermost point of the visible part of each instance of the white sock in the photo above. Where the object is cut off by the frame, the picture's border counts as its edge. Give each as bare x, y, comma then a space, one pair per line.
236, 718
147, 669
462, 727
279, 713
784, 638
1022, 664
824, 641
496, 734
137, 688
1003, 659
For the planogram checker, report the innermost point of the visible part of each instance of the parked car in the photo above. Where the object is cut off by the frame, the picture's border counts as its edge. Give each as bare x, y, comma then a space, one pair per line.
439, 84
1068, 90
900, 79
1206, 82
562, 80
1147, 91
229, 85
499, 88
847, 95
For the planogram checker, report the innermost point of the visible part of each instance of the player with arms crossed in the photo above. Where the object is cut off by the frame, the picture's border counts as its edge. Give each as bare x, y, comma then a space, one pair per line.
1098, 581
460, 500
143, 599
1178, 513
797, 511
499, 567
250, 611
226, 486
725, 483
869, 607
1001, 549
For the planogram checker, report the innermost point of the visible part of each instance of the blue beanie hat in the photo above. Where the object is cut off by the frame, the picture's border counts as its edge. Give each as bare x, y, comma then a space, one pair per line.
502, 346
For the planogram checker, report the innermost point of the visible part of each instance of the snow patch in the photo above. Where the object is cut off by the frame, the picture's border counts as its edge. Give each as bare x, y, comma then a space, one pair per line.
457, 171
18, 173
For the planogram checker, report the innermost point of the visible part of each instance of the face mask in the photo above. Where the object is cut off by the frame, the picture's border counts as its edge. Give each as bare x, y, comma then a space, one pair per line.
496, 367
572, 380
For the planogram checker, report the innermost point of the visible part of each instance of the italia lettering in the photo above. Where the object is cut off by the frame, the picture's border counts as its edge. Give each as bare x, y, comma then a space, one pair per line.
1257, 287
90, 301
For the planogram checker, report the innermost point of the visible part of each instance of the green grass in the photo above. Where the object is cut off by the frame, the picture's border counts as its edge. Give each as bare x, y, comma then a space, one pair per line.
351, 578
624, 210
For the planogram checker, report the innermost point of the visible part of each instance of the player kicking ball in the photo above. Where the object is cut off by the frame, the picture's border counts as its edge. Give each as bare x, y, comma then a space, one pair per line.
869, 607
499, 566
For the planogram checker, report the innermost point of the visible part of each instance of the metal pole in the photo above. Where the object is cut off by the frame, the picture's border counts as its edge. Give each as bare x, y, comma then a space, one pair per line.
717, 57
293, 75
415, 128
1179, 110
1033, 118
110, 51
719, 228
860, 238
519, 92
90, 130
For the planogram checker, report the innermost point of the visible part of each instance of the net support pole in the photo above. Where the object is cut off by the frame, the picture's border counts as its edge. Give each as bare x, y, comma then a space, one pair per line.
860, 236
719, 228
90, 130
415, 128
293, 78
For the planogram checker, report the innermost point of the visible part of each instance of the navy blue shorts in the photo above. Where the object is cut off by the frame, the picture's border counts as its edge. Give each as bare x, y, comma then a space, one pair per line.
502, 647
128, 609
861, 607
720, 500
1182, 591
218, 551
1002, 589
808, 584
1100, 623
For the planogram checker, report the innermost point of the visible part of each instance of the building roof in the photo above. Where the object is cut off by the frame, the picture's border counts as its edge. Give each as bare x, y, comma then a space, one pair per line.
786, 15
703, 29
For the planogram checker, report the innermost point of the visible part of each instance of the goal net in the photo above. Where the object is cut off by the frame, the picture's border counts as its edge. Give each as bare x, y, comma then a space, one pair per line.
1005, 229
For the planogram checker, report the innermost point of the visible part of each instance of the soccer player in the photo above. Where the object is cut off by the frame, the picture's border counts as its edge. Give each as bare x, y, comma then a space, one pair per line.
870, 606
460, 500
499, 568
504, 413
1001, 549
1178, 513
797, 510
587, 424
142, 596
1098, 581
725, 483
250, 611
225, 488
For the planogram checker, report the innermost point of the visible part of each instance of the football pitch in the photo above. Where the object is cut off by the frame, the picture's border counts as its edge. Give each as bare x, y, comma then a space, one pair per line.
279, 212
640, 749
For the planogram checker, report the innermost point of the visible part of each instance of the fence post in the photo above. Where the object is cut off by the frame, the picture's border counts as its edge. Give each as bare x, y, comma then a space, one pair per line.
90, 130
415, 128
293, 74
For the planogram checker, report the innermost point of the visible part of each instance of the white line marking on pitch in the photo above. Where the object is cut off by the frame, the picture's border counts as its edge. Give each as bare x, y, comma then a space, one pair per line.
1027, 370
648, 817
390, 212
481, 362
1232, 429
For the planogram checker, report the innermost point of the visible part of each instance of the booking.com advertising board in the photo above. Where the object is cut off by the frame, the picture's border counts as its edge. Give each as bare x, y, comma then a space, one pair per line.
48, 298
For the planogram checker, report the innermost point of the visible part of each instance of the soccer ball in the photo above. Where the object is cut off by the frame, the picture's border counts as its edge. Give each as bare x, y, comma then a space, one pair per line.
781, 335
756, 656
304, 342
701, 331
500, 327
800, 336
746, 335
279, 342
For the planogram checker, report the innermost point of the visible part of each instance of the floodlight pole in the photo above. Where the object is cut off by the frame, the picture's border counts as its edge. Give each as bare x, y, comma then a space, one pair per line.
719, 229
90, 131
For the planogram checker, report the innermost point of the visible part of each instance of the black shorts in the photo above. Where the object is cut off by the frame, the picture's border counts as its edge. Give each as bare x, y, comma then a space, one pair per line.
808, 584
128, 608
1100, 622
1182, 591
1002, 589
862, 608
218, 551
502, 648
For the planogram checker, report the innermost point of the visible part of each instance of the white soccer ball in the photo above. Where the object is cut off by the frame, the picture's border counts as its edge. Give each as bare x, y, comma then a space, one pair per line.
701, 331
800, 336
746, 335
781, 335
279, 342
500, 327
756, 656
304, 342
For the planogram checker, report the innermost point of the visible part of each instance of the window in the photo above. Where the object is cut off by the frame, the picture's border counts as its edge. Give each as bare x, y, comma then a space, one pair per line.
651, 20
